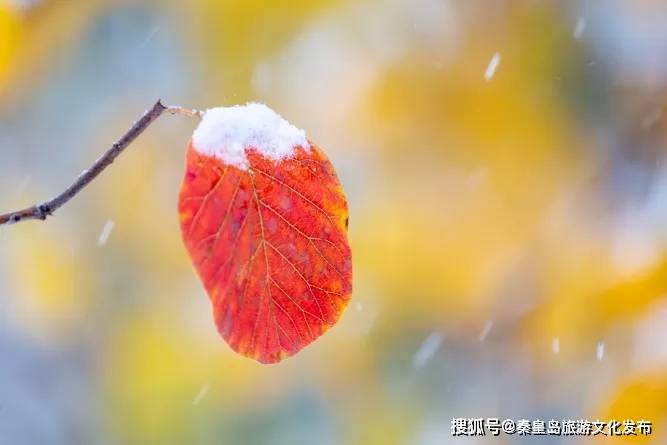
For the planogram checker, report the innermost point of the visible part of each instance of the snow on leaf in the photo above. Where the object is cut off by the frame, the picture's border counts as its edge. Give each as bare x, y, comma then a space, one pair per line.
268, 238
226, 133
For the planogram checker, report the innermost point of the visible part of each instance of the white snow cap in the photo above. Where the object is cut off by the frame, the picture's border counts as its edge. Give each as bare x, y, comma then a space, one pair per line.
227, 132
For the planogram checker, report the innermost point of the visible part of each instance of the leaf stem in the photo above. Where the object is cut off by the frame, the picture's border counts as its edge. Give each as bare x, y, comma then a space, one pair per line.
47, 208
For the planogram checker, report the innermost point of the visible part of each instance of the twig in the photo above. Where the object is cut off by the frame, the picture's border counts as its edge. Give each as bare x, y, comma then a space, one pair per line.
42, 211
184, 111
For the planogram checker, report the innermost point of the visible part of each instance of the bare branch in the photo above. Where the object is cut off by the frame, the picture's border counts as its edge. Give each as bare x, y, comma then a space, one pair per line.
43, 210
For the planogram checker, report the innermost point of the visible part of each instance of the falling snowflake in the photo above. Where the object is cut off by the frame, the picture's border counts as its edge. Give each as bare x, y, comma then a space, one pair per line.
579, 28
201, 394
106, 232
427, 349
492, 67
486, 330
600, 351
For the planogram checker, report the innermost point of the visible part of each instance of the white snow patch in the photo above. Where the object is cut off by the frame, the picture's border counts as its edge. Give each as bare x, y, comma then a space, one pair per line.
486, 330
579, 28
106, 232
427, 350
492, 67
201, 394
599, 352
555, 345
227, 133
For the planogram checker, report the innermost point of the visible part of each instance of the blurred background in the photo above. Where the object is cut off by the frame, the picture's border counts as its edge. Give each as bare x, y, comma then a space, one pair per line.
505, 166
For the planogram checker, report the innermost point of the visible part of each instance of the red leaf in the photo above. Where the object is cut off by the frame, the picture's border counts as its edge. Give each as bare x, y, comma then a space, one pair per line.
269, 242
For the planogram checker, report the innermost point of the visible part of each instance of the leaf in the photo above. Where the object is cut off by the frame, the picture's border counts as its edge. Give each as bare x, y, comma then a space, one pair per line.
270, 245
